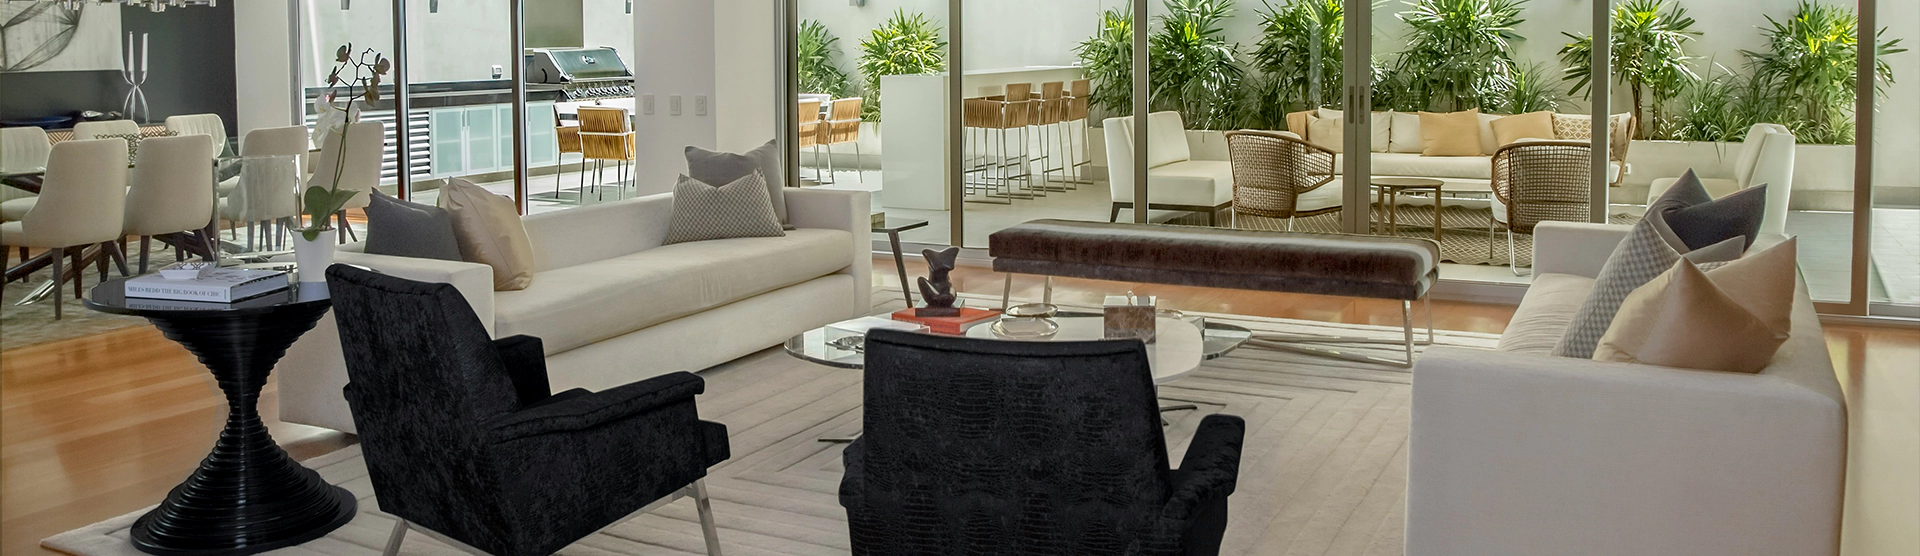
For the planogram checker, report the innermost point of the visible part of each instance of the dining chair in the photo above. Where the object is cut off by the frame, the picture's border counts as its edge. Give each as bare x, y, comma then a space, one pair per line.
843, 127
812, 132
94, 130
209, 125
171, 190
82, 203
22, 150
270, 141
358, 167
1537, 180
566, 139
265, 197
606, 134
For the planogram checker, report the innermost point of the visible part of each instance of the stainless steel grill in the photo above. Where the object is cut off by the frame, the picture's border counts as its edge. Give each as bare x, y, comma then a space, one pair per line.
580, 73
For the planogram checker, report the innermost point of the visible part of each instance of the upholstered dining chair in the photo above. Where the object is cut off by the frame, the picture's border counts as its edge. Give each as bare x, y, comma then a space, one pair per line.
94, 130
606, 134
209, 125
81, 203
22, 149
265, 197
464, 441
366, 142
995, 447
171, 190
1279, 175
272, 141
1537, 180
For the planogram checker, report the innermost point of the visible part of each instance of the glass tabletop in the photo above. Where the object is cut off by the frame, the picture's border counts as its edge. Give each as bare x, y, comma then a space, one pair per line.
1217, 340
111, 297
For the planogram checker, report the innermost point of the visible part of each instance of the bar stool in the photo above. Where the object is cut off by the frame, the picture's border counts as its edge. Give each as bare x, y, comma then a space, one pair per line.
978, 116
1050, 121
1016, 112
842, 127
811, 132
606, 134
1080, 93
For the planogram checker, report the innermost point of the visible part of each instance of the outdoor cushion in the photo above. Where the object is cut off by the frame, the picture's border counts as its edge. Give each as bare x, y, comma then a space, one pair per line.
1201, 183
1488, 141
1531, 125
1414, 165
1167, 140
1451, 134
1406, 133
579, 305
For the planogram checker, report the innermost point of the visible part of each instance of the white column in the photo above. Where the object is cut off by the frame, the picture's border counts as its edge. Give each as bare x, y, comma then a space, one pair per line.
262, 62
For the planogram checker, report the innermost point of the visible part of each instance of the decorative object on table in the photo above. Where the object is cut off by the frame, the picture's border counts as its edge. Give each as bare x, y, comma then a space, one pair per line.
248, 495
937, 286
479, 450
218, 285
186, 270
314, 245
489, 231
405, 229
135, 76
723, 167
740, 208
1731, 318
952, 326
851, 335
1130, 316
1028, 321
941, 416
1651, 248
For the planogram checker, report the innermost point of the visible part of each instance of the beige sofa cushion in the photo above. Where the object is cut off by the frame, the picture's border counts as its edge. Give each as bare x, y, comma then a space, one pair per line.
578, 305
488, 229
1405, 135
1543, 315
1489, 143
1327, 133
1201, 183
1451, 133
1732, 318
1531, 125
1414, 165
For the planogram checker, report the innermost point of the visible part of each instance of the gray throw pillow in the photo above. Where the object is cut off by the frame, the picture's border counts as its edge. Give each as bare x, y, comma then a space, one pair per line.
738, 209
1652, 247
403, 229
720, 167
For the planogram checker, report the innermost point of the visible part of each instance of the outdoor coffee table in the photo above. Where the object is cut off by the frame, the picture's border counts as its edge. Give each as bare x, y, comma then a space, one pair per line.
1388, 195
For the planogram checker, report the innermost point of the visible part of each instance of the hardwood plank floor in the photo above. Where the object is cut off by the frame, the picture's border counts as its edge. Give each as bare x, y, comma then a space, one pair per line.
95, 427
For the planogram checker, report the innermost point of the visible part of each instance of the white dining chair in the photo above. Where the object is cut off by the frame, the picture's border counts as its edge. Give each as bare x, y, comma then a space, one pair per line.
171, 190
82, 203
22, 149
209, 125
270, 141
359, 171
265, 198
94, 130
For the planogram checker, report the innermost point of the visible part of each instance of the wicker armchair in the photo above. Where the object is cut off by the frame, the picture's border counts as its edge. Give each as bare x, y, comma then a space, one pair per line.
1271, 170
1537, 181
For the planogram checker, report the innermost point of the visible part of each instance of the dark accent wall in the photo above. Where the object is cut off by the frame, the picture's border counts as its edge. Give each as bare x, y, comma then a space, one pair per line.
190, 71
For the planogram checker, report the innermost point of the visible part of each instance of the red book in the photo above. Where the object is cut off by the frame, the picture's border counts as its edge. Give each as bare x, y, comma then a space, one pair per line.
952, 326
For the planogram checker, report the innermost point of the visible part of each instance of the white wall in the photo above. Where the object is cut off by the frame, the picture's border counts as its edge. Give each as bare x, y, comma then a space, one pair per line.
673, 55
745, 40
261, 53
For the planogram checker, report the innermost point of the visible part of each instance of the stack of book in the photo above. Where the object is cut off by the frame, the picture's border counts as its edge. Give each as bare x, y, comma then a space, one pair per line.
220, 285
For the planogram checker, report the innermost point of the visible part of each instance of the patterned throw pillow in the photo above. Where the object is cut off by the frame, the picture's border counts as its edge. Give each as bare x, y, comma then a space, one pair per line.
739, 209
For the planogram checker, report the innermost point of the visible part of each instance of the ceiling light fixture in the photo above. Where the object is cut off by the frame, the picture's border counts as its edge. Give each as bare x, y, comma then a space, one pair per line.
154, 5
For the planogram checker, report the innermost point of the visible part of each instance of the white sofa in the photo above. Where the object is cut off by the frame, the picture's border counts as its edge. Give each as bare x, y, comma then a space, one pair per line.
1397, 144
1175, 181
1766, 158
612, 305
1517, 452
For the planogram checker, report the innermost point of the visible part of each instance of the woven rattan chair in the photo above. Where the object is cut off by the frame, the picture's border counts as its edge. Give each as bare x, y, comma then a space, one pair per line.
843, 127
1538, 181
1270, 172
812, 132
566, 138
606, 134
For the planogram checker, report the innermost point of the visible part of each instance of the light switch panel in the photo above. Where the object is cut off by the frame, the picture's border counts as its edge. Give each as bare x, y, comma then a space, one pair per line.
673, 105
646, 104
699, 105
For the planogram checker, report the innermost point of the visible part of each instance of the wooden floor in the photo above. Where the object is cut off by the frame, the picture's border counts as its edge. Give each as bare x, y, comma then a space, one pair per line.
96, 427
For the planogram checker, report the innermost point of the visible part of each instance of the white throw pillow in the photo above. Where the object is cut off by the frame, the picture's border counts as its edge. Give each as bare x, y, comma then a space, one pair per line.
1405, 133
1489, 142
1328, 133
1382, 131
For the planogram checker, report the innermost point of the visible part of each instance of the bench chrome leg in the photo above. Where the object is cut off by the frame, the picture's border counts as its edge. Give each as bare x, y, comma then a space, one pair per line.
1289, 342
1046, 292
1006, 293
705, 507
1406, 327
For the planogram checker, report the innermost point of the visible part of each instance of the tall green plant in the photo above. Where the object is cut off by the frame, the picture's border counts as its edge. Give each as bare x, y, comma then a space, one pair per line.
1720, 106
1810, 61
1299, 53
1458, 55
1534, 90
1648, 45
1191, 67
1107, 59
906, 44
818, 69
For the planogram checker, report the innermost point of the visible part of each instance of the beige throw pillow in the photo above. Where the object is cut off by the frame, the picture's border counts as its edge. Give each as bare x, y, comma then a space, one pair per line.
1451, 134
1531, 125
1328, 133
1732, 318
488, 229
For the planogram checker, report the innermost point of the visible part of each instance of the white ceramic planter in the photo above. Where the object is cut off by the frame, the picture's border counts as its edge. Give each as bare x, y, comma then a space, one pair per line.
311, 258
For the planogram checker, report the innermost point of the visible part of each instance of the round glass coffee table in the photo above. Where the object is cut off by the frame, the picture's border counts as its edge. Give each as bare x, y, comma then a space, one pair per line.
1180, 345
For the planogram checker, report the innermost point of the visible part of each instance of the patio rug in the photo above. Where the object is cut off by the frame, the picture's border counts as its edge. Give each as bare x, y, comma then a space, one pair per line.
1323, 469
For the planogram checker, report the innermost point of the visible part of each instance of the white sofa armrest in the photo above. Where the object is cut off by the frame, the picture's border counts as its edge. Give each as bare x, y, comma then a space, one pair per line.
837, 209
1576, 248
1524, 454
314, 369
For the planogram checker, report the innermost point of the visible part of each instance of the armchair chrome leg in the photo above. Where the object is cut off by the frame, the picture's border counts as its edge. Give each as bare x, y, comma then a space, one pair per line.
1428, 301
1406, 317
707, 527
1046, 293
393, 540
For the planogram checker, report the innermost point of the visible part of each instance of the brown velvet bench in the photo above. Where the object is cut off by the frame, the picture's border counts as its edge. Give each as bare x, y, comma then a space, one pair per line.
1403, 269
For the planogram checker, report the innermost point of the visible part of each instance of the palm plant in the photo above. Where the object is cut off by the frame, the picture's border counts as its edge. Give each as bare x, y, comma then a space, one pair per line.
1299, 53
1720, 107
1458, 55
1533, 90
905, 44
818, 70
1648, 43
1810, 62
1107, 59
1190, 65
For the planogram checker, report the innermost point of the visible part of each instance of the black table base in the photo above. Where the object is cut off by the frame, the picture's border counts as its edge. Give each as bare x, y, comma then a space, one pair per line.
248, 496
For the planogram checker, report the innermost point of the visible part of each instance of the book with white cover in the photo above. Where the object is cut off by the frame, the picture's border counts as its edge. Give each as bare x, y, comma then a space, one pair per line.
221, 285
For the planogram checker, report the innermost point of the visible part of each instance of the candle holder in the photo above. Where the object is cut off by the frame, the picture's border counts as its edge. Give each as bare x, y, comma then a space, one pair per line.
135, 105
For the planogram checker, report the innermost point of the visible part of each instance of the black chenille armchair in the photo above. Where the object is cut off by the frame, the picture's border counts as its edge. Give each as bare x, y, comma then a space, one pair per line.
464, 441
995, 447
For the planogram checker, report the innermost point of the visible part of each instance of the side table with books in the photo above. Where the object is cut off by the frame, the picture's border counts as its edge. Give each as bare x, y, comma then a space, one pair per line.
248, 495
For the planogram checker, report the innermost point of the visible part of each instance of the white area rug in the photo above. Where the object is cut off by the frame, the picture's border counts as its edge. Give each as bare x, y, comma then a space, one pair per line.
1323, 470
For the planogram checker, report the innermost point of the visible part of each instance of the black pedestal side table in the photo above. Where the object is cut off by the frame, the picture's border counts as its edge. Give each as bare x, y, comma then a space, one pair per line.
248, 496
